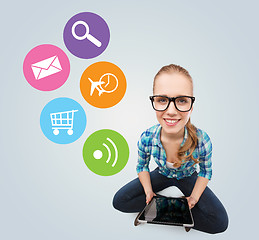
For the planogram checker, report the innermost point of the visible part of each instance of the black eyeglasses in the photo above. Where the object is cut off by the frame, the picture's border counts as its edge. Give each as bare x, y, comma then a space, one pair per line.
181, 103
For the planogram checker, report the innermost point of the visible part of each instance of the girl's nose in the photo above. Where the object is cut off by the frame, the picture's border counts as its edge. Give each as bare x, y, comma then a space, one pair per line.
171, 109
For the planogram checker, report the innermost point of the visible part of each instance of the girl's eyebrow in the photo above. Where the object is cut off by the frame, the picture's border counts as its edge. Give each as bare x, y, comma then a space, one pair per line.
162, 95
165, 95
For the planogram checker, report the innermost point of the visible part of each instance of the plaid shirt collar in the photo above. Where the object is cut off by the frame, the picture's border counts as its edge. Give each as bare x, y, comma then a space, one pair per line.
157, 141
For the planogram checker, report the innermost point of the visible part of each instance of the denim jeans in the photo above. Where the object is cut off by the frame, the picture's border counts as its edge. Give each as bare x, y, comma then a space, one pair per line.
209, 214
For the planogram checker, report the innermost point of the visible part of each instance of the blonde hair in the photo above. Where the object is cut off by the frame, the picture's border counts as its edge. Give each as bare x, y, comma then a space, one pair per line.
192, 139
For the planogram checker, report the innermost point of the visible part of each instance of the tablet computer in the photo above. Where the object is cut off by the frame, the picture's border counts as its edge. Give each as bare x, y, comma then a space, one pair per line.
166, 211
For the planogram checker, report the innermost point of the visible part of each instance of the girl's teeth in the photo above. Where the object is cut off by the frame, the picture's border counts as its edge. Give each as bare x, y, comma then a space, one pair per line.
171, 121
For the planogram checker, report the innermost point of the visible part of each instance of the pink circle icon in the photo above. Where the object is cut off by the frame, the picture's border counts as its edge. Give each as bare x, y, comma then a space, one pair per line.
46, 67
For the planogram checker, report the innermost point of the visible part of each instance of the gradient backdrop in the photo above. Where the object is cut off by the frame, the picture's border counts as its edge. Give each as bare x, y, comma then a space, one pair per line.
47, 192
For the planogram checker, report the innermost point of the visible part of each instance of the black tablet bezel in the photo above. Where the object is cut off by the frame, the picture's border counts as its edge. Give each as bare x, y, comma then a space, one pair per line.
138, 220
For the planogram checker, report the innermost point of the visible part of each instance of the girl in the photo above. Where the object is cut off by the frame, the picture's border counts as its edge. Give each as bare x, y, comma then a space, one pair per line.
176, 146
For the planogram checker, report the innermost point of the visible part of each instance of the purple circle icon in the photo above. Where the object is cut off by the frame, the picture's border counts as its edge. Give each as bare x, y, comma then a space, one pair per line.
86, 35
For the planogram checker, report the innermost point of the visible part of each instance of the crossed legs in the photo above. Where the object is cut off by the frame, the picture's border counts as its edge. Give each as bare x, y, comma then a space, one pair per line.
209, 214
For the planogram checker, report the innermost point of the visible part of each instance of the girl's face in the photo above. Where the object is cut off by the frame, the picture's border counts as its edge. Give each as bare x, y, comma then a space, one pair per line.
173, 85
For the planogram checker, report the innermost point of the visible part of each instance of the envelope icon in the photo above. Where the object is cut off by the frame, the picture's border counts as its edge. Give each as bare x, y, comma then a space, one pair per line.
46, 67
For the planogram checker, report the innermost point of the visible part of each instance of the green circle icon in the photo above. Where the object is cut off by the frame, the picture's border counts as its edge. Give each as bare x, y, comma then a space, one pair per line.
105, 152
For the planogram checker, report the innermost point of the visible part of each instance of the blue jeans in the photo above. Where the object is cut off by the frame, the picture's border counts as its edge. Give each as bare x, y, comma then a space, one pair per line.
209, 214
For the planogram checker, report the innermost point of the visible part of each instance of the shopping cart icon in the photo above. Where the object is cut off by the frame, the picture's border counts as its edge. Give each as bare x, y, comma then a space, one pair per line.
62, 120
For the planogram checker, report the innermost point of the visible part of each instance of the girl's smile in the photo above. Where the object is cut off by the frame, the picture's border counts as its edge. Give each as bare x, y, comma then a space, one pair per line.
171, 122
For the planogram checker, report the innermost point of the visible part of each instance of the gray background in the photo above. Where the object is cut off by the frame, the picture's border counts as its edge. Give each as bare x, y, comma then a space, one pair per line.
47, 192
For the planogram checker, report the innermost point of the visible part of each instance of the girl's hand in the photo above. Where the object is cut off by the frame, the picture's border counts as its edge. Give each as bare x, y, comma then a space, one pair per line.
149, 196
191, 201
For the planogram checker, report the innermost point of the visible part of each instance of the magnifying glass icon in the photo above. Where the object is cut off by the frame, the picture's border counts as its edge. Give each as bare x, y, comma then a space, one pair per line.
87, 35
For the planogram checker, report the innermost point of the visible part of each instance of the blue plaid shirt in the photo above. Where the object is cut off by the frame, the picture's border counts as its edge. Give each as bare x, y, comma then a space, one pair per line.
149, 145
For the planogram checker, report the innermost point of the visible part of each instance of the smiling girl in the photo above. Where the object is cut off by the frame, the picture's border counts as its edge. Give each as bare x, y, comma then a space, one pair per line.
177, 147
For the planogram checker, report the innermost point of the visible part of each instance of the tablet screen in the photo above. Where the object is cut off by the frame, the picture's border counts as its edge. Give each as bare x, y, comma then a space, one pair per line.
166, 210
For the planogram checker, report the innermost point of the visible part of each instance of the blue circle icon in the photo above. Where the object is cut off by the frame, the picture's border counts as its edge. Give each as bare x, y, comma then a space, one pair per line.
63, 120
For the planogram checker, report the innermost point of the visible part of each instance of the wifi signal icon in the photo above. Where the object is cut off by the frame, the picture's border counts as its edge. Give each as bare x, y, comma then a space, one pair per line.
98, 153
105, 152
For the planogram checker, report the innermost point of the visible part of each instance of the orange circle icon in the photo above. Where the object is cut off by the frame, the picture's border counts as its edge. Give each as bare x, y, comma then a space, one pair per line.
103, 84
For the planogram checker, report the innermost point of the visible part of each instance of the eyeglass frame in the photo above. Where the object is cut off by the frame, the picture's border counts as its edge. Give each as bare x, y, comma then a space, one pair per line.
171, 99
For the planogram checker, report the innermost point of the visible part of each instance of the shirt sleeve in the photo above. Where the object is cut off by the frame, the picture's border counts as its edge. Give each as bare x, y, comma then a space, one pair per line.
143, 154
205, 154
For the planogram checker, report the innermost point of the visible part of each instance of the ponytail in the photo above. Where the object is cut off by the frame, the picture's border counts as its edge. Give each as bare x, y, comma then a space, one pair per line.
188, 147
